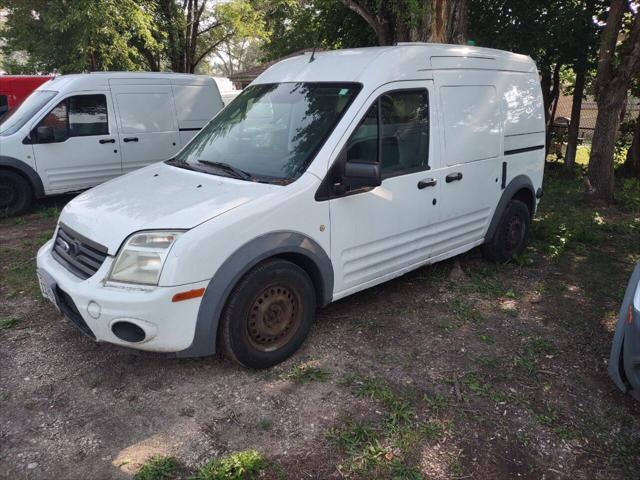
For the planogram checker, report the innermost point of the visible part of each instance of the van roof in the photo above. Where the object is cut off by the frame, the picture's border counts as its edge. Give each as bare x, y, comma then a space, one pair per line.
399, 62
101, 80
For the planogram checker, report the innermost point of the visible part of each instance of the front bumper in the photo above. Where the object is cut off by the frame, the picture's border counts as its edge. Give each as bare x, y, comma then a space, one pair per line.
95, 305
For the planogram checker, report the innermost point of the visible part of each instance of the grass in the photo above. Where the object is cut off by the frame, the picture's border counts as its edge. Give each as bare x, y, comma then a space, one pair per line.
8, 322
158, 468
19, 266
245, 465
352, 435
386, 447
528, 357
302, 374
436, 403
265, 423
563, 224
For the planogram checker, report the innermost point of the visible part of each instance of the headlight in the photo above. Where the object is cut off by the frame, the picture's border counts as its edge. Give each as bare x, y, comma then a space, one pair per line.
142, 257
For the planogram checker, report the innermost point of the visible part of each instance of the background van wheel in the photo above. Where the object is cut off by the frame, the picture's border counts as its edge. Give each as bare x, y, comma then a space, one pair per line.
268, 314
15, 194
510, 237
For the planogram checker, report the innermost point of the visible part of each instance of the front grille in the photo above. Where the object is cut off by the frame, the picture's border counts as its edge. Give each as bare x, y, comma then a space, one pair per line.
79, 255
69, 310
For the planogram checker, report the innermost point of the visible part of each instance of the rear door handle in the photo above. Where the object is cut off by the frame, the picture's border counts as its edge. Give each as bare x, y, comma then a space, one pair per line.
130, 139
453, 177
427, 182
107, 140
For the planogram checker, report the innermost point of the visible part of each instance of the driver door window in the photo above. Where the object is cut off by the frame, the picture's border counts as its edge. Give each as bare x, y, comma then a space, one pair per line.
395, 131
78, 116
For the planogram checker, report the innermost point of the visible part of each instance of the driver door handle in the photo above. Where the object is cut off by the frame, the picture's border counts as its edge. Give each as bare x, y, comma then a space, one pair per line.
107, 140
453, 177
427, 182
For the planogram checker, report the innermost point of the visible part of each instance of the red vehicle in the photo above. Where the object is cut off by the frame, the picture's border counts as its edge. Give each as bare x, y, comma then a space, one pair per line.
15, 88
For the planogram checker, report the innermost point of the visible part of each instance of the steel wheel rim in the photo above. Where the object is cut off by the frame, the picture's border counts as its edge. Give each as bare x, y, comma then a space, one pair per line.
515, 232
7, 194
274, 317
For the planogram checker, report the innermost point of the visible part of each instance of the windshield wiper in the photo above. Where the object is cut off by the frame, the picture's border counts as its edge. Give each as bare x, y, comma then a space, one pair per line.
236, 172
179, 163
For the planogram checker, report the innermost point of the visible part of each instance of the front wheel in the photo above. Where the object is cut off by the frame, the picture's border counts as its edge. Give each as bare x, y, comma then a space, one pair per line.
511, 235
15, 194
268, 314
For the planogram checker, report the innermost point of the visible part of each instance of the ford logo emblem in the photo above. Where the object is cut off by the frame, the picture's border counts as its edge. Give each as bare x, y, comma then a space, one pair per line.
65, 246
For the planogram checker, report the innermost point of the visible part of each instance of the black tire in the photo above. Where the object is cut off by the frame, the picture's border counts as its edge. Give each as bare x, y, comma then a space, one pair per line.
16, 194
510, 236
268, 314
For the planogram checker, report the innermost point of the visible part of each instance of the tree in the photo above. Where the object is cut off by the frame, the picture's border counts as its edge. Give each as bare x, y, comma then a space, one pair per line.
440, 21
240, 48
76, 35
190, 31
293, 25
631, 166
555, 33
585, 32
618, 63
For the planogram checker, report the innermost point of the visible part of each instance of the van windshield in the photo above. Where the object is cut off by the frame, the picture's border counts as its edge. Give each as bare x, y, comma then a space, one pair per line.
269, 133
16, 118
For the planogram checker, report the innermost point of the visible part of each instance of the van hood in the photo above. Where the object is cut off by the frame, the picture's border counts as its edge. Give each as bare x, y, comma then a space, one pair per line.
156, 197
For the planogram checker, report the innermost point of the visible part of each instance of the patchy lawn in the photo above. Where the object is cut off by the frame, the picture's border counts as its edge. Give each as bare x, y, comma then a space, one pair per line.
458, 370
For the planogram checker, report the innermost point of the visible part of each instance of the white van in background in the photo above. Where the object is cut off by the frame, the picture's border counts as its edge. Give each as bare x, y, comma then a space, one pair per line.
326, 176
227, 90
77, 131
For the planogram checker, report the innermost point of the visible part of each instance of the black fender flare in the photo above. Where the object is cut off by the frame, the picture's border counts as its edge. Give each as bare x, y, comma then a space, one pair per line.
515, 185
238, 264
31, 175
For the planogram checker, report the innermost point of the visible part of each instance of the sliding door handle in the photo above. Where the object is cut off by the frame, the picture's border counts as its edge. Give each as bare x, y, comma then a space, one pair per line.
107, 140
130, 139
453, 177
427, 182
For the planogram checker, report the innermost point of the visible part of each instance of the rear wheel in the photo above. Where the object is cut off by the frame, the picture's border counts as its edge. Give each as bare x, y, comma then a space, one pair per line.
510, 236
268, 314
15, 194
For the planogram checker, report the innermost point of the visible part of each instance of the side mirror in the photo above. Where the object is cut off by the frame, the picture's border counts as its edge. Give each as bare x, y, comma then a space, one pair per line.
44, 134
360, 174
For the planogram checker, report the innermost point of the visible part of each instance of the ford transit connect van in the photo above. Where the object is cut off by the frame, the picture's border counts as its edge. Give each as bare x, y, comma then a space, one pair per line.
77, 131
324, 177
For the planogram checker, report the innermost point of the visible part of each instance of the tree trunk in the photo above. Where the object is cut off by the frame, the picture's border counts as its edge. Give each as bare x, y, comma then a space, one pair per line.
632, 163
437, 21
550, 101
449, 24
612, 82
604, 140
576, 109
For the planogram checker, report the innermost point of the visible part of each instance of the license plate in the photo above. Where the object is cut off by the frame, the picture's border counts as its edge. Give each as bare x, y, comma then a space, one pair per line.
45, 288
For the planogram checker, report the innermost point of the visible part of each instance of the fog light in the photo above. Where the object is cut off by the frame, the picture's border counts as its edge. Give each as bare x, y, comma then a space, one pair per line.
127, 331
94, 309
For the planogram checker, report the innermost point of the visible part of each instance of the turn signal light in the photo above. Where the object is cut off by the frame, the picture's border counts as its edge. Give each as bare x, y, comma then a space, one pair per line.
188, 295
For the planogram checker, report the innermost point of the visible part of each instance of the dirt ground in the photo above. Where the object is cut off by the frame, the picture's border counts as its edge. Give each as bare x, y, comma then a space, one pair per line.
458, 370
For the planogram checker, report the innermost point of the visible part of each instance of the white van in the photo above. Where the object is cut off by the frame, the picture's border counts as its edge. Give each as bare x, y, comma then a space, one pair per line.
77, 131
326, 176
